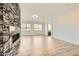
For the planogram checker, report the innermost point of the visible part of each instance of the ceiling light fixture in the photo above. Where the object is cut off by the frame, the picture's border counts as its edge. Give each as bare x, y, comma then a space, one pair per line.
35, 16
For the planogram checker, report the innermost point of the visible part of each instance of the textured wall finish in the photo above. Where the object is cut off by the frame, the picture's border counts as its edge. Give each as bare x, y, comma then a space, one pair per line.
9, 38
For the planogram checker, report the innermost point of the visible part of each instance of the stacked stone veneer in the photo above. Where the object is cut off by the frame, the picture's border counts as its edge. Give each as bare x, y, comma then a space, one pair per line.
9, 17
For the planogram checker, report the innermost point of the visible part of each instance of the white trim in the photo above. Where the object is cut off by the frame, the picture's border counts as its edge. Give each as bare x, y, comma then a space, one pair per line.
60, 38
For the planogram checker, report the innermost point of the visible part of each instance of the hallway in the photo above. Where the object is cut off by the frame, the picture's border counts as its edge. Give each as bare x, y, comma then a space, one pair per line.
45, 46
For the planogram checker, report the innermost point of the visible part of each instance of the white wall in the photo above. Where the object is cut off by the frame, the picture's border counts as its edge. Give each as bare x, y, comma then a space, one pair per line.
66, 27
64, 17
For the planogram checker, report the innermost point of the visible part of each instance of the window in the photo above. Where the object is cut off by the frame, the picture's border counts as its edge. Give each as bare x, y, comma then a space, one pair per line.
28, 27
37, 27
49, 27
23, 25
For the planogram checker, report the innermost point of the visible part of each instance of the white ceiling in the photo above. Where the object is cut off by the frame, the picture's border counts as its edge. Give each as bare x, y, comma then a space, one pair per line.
46, 11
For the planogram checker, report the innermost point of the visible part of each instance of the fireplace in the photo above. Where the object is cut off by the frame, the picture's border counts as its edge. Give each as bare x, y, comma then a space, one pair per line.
9, 23
15, 37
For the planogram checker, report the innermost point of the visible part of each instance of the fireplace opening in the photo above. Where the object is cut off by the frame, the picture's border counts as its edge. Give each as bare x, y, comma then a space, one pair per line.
15, 37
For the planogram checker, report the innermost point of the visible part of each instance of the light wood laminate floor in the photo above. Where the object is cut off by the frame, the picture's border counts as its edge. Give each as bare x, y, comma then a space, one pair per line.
46, 46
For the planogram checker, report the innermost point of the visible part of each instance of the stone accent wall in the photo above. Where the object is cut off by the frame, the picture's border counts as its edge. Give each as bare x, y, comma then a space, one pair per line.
9, 38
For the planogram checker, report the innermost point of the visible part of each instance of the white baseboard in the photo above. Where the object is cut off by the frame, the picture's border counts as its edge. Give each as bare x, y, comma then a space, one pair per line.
60, 38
